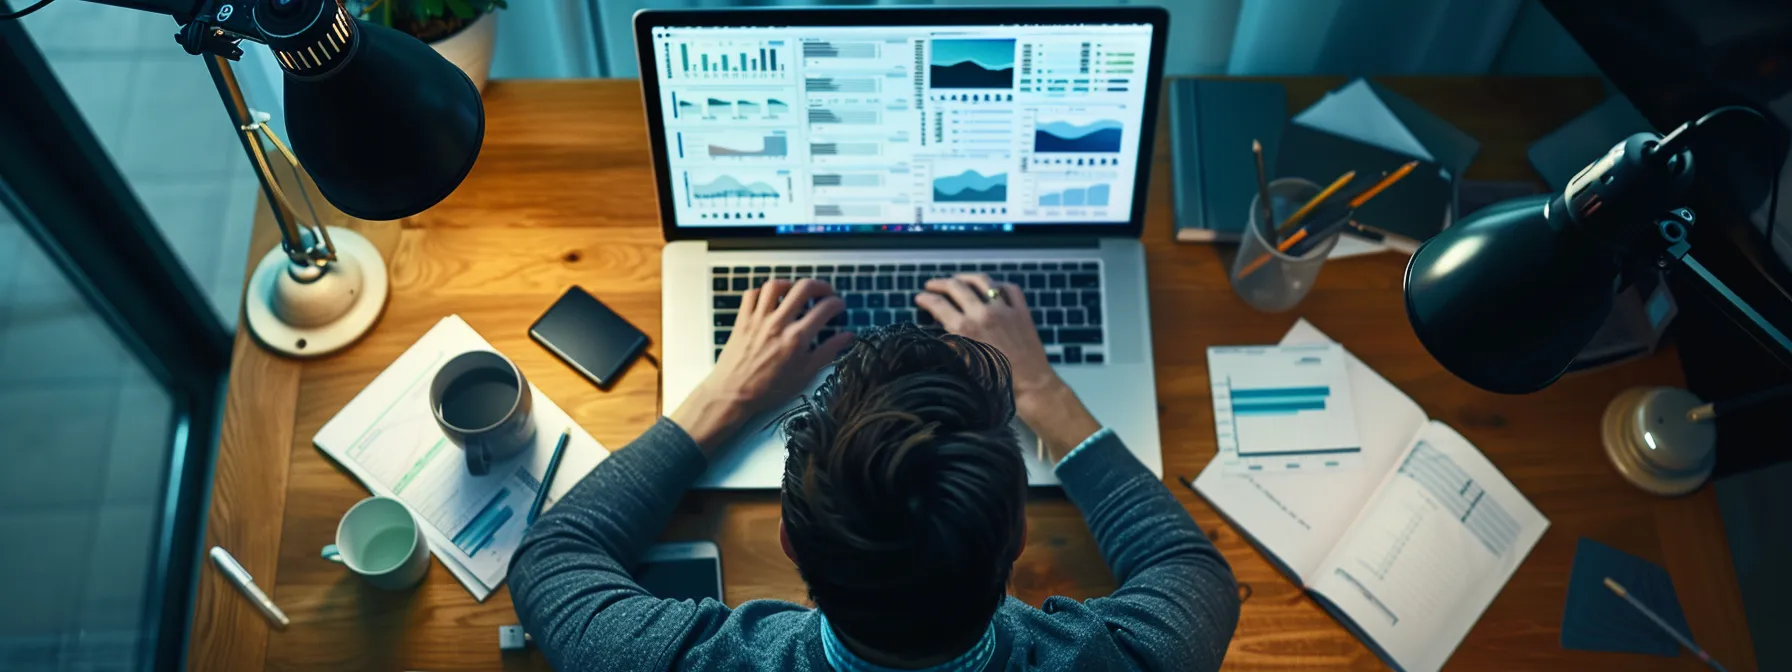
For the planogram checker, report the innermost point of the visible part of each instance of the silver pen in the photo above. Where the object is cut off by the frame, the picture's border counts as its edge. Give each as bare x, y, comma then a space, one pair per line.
245, 583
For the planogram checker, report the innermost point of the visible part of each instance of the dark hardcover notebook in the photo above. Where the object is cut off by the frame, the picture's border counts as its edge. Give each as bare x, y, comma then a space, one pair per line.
1214, 175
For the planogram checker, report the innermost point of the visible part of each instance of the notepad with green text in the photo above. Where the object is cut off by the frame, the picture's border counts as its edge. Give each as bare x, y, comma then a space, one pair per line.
1408, 550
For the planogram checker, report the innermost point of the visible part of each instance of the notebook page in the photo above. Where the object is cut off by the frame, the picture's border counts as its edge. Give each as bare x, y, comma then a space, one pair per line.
1435, 545
1298, 518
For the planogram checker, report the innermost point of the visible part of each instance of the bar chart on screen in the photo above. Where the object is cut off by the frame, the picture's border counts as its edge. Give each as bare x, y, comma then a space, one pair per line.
734, 61
1283, 408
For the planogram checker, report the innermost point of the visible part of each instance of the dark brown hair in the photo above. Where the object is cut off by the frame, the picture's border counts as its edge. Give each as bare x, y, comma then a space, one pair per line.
904, 491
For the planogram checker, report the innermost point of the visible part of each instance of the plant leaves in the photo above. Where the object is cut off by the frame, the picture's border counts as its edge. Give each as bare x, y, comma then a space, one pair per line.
430, 9
461, 9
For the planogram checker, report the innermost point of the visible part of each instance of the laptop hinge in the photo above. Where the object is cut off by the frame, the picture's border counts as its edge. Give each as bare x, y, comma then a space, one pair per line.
899, 242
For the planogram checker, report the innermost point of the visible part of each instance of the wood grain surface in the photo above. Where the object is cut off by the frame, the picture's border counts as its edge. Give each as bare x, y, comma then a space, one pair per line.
563, 194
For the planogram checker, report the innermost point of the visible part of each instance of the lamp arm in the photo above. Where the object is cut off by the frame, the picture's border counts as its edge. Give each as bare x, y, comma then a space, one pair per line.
182, 10
303, 253
1739, 311
213, 28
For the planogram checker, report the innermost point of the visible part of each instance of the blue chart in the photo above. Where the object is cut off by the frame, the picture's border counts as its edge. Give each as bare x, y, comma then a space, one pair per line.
972, 64
1453, 489
738, 194
1095, 194
1283, 408
971, 187
720, 60
1279, 400
479, 532
727, 187
724, 109
1101, 135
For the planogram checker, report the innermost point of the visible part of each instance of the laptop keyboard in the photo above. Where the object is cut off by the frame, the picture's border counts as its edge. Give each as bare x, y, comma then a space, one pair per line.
1065, 298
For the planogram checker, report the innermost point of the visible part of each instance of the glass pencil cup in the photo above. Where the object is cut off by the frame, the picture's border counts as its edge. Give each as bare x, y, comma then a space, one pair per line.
1270, 280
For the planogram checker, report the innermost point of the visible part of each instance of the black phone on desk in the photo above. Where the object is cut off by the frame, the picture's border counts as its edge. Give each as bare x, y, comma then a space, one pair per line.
689, 570
586, 334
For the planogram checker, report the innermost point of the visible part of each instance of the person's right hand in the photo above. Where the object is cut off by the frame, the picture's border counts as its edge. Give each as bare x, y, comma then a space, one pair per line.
767, 360
1041, 398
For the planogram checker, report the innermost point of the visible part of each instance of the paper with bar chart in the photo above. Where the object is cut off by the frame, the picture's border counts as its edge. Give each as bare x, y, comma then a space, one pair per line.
387, 438
1283, 408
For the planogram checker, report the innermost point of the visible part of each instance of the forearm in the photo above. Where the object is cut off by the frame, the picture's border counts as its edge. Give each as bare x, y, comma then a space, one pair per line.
1177, 597
1055, 414
584, 546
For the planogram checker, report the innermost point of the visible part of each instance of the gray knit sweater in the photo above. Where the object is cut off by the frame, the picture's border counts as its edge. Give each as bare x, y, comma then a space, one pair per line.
1175, 608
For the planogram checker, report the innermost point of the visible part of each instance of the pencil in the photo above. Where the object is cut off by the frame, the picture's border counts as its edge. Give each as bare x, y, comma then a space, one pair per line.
1385, 182
1263, 187
1684, 641
1350, 209
1325, 194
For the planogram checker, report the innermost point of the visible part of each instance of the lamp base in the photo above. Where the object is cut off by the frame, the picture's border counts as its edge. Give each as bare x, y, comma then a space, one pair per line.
1651, 443
353, 300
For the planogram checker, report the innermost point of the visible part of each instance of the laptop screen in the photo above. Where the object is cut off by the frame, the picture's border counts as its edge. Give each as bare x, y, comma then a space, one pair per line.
900, 129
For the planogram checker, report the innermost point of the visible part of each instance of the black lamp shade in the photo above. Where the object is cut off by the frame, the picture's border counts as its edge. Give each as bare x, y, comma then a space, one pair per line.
390, 131
1507, 298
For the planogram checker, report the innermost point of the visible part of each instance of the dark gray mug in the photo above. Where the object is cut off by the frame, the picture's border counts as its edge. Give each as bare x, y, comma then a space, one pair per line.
482, 402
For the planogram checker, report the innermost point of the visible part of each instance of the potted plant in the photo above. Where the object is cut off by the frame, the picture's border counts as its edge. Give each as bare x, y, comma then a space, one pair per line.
462, 31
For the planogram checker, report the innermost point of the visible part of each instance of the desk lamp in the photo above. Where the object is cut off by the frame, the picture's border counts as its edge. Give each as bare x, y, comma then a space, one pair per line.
385, 127
1507, 298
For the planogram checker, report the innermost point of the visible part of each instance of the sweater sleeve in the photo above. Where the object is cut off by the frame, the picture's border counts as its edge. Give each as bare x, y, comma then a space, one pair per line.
570, 578
1177, 603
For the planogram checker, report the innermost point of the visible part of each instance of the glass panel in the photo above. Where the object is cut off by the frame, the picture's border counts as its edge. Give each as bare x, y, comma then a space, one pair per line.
85, 438
155, 110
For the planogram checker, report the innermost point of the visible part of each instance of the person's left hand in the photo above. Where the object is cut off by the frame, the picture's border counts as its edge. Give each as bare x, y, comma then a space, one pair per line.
767, 359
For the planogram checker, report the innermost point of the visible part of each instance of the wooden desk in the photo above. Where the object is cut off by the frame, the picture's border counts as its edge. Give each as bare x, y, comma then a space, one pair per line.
563, 195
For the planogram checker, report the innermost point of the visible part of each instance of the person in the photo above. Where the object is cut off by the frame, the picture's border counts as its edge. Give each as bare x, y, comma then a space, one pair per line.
903, 510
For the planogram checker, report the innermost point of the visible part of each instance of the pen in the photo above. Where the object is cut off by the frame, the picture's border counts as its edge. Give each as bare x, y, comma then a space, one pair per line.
1694, 648
547, 477
240, 578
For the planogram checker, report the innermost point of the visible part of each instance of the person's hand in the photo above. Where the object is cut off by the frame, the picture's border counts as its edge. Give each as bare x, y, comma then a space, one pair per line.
767, 359
1041, 399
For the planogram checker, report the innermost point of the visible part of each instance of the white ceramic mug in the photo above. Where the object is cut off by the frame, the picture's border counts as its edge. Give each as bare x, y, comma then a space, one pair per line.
380, 540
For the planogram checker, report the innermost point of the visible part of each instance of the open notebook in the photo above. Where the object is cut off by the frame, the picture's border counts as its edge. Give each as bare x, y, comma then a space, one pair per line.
1408, 550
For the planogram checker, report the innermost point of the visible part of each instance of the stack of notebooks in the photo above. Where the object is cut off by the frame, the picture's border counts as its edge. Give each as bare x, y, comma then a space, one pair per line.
1360, 127
1394, 523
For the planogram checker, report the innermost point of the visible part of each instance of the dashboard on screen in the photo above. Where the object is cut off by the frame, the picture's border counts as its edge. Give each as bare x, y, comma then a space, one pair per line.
813, 129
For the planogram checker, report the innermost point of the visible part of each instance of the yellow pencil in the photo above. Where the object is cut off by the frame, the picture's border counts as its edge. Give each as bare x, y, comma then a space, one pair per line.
1383, 184
1308, 208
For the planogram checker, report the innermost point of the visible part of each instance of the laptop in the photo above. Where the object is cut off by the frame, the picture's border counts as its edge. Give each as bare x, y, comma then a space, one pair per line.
878, 148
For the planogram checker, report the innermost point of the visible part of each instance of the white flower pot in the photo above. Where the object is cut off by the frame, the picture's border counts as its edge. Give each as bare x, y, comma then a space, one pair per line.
471, 48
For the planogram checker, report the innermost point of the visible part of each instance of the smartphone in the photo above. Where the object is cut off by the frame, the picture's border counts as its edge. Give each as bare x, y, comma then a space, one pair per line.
586, 334
690, 570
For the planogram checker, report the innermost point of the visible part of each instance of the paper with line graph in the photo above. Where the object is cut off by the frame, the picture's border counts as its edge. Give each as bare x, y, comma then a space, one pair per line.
387, 437
1283, 408
1434, 546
